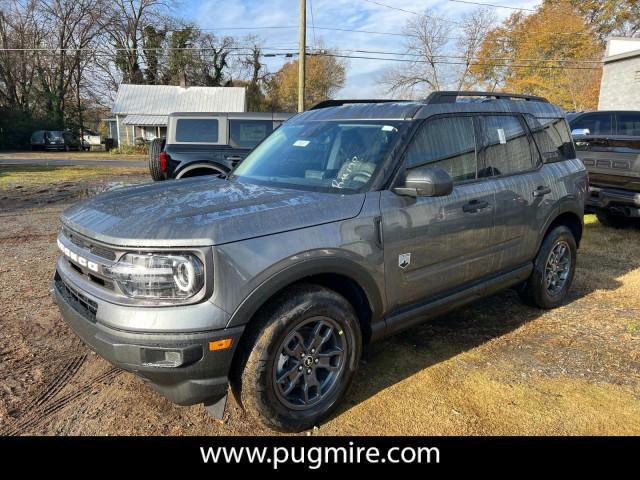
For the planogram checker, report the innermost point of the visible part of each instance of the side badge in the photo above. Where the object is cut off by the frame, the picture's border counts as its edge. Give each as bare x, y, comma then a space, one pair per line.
404, 259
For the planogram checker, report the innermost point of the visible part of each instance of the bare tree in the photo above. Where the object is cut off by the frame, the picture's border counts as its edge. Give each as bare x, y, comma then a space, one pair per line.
427, 38
124, 28
474, 29
433, 61
20, 31
72, 27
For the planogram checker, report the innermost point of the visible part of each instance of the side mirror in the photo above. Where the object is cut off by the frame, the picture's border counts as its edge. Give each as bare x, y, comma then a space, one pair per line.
425, 182
580, 131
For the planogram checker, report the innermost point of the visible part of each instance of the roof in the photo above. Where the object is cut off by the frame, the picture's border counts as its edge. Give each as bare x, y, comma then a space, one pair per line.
407, 110
148, 120
234, 115
622, 56
164, 99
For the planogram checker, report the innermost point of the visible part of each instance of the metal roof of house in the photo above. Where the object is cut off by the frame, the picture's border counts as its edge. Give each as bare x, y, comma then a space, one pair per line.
164, 99
147, 120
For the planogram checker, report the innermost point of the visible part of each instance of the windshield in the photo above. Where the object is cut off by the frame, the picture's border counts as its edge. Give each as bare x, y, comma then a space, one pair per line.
55, 135
327, 155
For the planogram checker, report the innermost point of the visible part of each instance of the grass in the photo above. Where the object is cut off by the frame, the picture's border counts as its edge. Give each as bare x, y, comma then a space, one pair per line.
12, 176
129, 154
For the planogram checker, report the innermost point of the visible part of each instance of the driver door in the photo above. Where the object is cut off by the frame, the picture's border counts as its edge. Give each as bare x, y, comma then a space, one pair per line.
433, 245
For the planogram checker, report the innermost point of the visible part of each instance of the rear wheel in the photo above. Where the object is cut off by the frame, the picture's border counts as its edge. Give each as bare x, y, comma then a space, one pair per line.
553, 270
155, 147
300, 361
614, 221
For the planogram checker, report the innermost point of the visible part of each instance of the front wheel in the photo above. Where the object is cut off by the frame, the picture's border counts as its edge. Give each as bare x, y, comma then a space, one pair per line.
301, 359
553, 270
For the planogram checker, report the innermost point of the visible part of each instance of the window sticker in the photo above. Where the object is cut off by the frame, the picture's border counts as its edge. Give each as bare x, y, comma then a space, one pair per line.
301, 143
388, 128
501, 136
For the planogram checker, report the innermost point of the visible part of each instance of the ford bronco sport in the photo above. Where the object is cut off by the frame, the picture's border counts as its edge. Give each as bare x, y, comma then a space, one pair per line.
208, 143
608, 143
352, 221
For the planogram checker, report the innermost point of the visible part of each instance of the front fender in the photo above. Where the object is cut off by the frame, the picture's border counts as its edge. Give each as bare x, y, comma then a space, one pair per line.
305, 269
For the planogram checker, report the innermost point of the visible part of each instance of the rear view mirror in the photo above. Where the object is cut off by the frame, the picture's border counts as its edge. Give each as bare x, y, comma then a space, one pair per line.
580, 131
425, 182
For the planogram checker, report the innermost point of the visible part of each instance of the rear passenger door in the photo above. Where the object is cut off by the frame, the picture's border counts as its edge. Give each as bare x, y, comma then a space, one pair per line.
510, 162
433, 245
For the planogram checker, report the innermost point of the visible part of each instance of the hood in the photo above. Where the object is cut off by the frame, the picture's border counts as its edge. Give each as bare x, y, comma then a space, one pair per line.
203, 211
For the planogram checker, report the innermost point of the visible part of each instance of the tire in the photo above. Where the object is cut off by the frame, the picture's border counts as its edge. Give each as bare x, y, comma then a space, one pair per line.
301, 310
155, 147
536, 291
614, 221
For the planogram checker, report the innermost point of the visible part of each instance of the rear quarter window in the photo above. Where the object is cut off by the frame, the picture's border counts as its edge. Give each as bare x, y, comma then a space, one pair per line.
629, 124
505, 145
552, 138
197, 130
248, 133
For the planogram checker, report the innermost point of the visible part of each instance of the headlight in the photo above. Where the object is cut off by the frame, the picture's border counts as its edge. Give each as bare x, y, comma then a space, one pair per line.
158, 275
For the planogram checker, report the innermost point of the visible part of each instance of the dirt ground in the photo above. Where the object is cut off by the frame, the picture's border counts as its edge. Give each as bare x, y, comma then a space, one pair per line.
496, 367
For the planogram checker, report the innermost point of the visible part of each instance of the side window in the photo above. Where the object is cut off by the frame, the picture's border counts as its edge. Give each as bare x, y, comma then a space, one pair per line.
505, 145
596, 123
448, 143
248, 133
197, 130
628, 124
552, 138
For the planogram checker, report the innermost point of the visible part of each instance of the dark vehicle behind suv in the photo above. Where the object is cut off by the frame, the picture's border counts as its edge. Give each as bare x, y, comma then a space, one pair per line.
208, 143
350, 222
608, 142
54, 140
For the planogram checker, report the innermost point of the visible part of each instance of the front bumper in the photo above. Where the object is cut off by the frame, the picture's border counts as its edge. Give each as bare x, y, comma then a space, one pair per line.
178, 365
623, 202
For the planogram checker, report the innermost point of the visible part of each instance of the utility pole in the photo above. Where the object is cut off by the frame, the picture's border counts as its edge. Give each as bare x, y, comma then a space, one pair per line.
302, 54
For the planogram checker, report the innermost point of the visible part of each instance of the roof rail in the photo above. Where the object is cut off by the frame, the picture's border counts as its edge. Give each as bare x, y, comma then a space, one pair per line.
338, 103
451, 96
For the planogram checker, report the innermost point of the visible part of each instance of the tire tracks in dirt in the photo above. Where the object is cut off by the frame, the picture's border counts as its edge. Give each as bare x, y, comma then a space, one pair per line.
44, 409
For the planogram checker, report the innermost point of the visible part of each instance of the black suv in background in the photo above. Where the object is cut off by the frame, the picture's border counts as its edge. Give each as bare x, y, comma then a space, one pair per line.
208, 143
54, 140
608, 142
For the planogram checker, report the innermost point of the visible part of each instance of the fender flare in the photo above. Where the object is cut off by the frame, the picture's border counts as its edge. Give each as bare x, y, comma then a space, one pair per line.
567, 207
304, 269
195, 166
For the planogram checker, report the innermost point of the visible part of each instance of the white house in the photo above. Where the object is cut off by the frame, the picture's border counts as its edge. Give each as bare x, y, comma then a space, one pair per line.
620, 86
140, 111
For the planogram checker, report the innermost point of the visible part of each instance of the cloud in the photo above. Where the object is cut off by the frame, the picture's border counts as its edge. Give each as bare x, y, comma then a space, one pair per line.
362, 74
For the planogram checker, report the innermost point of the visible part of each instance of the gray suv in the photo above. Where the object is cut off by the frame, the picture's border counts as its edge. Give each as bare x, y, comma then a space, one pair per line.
350, 222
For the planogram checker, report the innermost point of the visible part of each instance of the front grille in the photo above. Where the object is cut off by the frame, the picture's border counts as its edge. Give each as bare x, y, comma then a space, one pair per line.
80, 303
88, 245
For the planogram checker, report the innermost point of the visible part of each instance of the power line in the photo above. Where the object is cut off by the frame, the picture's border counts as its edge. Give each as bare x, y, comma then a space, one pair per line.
313, 26
411, 12
492, 5
510, 65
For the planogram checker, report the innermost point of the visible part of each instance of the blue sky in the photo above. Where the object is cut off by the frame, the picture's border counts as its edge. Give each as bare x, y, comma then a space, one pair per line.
222, 15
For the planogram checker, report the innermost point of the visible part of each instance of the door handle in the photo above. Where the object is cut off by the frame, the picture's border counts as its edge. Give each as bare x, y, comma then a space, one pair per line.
474, 205
541, 191
233, 158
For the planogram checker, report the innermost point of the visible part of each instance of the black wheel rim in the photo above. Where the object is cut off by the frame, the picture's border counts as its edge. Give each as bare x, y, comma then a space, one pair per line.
556, 271
309, 362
